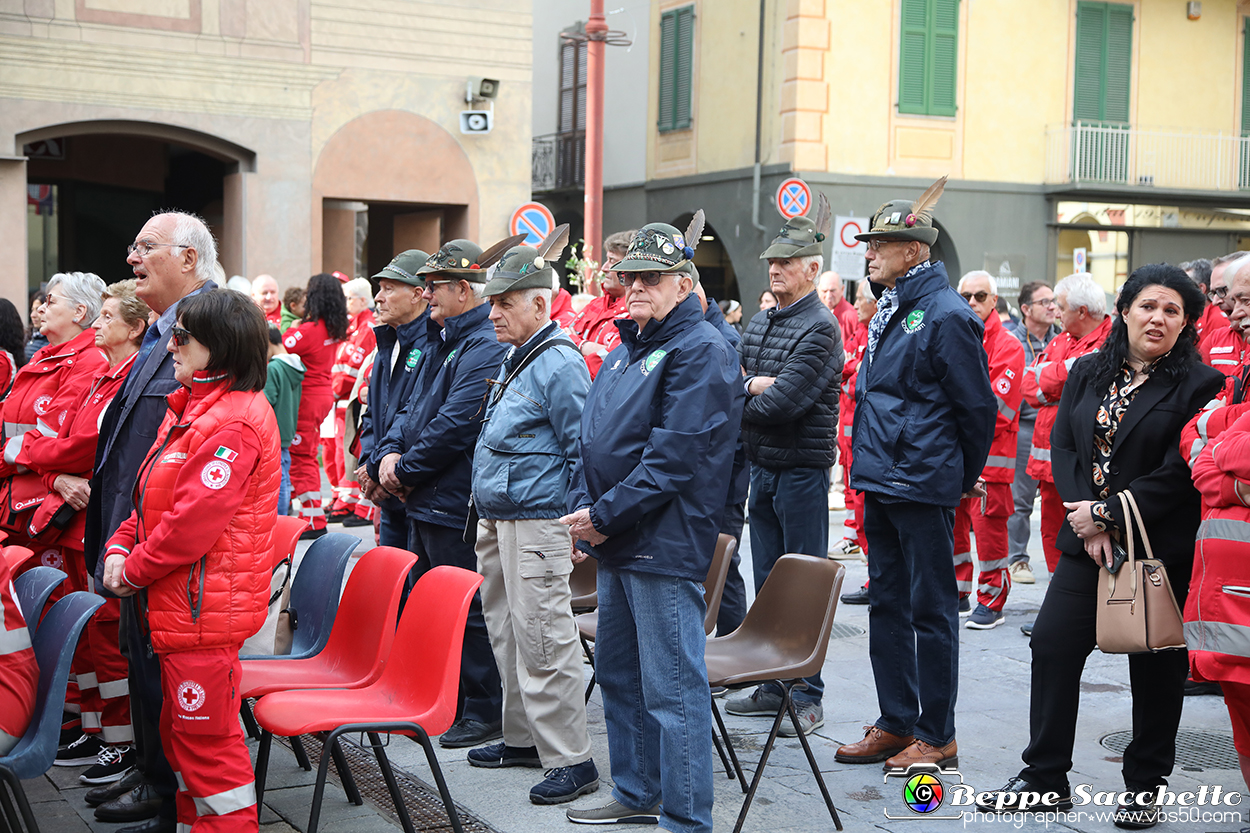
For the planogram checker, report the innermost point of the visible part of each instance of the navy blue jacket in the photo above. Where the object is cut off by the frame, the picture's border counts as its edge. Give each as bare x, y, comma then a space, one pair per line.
740, 479
657, 445
437, 429
389, 389
924, 409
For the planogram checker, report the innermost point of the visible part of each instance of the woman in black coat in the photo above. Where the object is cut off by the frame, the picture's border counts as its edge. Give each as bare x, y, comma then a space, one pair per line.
1118, 428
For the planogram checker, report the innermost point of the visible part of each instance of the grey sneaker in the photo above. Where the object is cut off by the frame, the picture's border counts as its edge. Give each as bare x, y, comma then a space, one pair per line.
759, 703
811, 717
614, 812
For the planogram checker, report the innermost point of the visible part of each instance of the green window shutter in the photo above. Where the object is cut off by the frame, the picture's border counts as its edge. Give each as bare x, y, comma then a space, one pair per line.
928, 54
1245, 78
676, 68
1119, 62
1104, 62
1090, 34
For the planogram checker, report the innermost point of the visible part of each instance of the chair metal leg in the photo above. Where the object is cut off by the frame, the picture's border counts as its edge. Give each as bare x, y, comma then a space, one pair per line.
10, 819
590, 657
249, 720
733, 756
319, 787
345, 772
262, 769
424, 739
300, 753
389, 776
759, 769
19, 795
811, 760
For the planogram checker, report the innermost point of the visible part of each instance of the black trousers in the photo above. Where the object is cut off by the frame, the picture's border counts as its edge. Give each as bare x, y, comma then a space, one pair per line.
733, 600
481, 690
1063, 637
145, 705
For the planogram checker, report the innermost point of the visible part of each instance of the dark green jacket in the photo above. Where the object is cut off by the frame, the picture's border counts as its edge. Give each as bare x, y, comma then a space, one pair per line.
283, 385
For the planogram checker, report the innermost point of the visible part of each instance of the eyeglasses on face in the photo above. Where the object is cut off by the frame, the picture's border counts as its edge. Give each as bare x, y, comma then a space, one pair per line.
876, 243
1219, 293
1041, 302
145, 247
648, 278
980, 296
181, 337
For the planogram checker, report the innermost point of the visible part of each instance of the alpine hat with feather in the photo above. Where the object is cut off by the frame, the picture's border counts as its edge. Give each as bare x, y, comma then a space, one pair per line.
465, 260
526, 267
802, 236
659, 247
404, 268
907, 220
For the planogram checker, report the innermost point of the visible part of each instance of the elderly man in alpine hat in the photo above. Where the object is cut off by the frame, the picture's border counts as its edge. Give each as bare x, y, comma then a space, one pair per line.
650, 483
924, 422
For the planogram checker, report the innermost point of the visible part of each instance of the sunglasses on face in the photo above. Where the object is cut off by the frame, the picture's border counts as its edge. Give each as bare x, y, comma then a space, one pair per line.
181, 337
648, 278
979, 296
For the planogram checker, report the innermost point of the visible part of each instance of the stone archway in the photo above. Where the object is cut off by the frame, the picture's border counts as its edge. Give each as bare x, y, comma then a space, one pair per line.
409, 177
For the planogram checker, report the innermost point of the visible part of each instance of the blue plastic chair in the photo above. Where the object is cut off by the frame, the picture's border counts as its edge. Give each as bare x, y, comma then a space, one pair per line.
54, 646
33, 589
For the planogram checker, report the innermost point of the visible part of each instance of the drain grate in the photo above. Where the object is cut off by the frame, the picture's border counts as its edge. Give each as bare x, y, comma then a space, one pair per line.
841, 631
425, 807
1195, 751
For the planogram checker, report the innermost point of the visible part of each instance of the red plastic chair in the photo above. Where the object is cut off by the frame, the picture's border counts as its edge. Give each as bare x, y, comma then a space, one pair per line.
416, 694
285, 536
16, 556
356, 652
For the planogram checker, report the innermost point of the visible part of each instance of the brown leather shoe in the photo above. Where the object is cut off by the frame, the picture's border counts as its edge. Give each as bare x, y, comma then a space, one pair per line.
920, 752
876, 746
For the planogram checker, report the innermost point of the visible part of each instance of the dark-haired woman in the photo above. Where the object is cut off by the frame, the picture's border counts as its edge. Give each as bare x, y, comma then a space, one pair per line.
12, 344
1118, 429
315, 341
206, 499
36, 340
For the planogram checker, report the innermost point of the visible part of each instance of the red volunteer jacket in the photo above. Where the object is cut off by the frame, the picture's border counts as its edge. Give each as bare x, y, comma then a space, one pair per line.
1222, 347
1006, 357
846, 403
596, 324
19, 675
1043, 385
312, 343
350, 356
201, 534
562, 308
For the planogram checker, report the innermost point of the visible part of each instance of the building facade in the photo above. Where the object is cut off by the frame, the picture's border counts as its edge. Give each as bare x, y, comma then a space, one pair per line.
312, 135
1109, 134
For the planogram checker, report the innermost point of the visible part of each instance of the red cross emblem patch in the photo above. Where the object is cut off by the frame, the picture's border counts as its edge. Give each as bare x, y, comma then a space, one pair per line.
216, 474
190, 695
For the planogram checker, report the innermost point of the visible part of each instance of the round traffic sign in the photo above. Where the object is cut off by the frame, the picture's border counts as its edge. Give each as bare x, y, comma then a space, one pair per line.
793, 198
847, 229
534, 220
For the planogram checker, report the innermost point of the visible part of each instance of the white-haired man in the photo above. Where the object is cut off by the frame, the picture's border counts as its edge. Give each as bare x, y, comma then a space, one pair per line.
265, 294
1220, 341
1082, 306
348, 505
987, 516
792, 357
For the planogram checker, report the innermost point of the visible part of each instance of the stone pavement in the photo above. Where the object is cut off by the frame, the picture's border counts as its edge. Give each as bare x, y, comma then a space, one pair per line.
992, 723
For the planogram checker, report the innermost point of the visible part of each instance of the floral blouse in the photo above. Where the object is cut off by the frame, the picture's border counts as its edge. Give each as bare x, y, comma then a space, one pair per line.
1120, 394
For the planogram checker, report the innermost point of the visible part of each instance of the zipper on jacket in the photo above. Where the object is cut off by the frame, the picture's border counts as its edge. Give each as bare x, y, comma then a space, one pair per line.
196, 599
1234, 590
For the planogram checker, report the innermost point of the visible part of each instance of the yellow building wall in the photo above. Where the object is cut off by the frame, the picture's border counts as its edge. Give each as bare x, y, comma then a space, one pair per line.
1187, 70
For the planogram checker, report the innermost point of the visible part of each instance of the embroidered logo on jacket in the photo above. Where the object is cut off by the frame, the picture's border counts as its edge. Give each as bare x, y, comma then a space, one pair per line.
190, 696
914, 322
414, 356
650, 362
216, 474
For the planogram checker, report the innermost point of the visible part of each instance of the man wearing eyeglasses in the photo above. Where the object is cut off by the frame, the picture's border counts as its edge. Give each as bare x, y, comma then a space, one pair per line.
172, 258
426, 458
593, 329
924, 423
1221, 343
987, 515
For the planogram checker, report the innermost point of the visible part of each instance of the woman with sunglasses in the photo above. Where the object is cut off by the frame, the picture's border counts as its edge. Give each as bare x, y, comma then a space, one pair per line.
198, 544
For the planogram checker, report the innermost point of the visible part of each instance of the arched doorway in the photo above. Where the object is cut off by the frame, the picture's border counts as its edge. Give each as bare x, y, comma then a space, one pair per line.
92, 185
716, 270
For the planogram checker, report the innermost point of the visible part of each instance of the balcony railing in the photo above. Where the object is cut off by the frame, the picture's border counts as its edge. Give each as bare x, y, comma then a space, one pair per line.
1085, 152
558, 160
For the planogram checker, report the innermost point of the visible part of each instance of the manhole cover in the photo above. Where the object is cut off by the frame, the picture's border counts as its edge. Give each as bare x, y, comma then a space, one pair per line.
841, 631
1194, 750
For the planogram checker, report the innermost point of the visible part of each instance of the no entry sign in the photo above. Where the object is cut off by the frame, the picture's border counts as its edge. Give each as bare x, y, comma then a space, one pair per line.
793, 198
534, 220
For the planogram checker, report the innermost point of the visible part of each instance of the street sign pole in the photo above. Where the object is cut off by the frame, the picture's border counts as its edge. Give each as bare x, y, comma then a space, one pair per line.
596, 34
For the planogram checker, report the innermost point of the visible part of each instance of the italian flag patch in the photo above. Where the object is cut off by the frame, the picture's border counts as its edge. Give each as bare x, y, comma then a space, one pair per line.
226, 454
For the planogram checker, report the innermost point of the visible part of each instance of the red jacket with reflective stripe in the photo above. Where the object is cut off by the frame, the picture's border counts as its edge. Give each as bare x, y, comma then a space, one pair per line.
596, 323
1043, 385
201, 536
1222, 347
855, 348
350, 356
1006, 357
19, 675
1217, 611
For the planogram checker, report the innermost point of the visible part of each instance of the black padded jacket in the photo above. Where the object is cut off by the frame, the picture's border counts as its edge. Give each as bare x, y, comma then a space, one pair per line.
794, 423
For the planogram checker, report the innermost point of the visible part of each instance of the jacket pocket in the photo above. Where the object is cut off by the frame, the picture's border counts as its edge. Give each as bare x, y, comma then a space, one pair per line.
1236, 590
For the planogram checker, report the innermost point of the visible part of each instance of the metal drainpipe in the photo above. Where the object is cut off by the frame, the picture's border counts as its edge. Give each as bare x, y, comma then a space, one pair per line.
759, 114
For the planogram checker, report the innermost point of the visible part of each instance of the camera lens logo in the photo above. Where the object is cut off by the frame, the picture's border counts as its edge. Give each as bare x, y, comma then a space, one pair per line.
923, 793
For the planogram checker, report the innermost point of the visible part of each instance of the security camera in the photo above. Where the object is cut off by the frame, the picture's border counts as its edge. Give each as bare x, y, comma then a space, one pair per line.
478, 89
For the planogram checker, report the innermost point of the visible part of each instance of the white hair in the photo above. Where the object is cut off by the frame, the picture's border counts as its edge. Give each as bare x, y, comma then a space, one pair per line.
85, 288
528, 295
1237, 265
478, 289
807, 260
240, 285
191, 232
359, 288
1082, 290
980, 273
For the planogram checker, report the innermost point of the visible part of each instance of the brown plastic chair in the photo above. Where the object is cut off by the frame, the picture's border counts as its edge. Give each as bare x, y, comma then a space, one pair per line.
713, 589
782, 640
582, 583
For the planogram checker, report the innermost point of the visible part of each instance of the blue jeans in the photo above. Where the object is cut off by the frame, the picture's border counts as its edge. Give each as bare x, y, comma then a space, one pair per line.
913, 633
284, 491
650, 667
789, 513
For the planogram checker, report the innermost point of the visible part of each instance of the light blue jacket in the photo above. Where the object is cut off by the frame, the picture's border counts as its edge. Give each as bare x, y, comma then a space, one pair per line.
529, 436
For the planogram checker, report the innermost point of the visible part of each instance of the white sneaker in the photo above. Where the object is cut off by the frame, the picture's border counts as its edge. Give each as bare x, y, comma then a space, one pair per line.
1021, 573
845, 550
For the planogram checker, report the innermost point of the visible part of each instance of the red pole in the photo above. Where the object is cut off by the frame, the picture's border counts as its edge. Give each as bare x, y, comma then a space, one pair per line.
596, 30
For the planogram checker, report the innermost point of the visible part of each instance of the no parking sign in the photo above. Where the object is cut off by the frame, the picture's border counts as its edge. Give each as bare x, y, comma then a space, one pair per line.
534, 220
793, 198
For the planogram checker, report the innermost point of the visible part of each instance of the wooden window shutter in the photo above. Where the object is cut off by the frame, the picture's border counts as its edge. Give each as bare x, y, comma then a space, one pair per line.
943, 52
676, 68
1245, 78
913, 57
568, 86
668, 63
928, 54
1104, 62
1119, 63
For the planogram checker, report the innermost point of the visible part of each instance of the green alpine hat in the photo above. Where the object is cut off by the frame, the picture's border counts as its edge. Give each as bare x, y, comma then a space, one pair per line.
403, 268
659, 247
799, 237
907, 220
459, 258
521, 268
